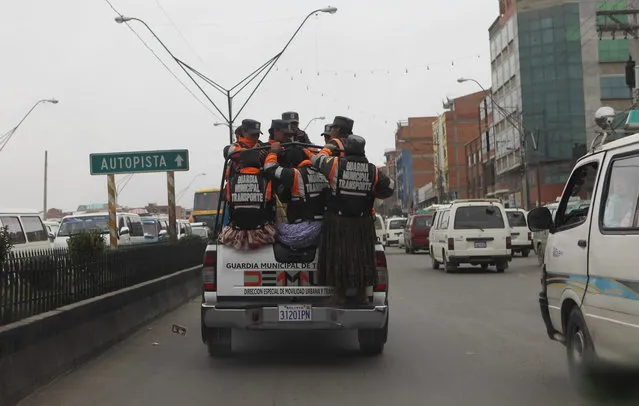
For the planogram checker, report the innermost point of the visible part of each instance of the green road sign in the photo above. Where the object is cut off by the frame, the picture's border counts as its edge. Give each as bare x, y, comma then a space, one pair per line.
632, 122
139, 162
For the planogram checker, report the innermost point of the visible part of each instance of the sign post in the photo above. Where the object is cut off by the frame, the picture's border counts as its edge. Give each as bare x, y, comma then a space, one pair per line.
113, 163
113, 232
170, 185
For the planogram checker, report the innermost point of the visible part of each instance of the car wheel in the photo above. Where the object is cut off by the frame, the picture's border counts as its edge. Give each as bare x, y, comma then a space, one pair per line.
502, 266
581, 355
524, 253
484, 267
435, 264
372, 341
448, 266
219, 342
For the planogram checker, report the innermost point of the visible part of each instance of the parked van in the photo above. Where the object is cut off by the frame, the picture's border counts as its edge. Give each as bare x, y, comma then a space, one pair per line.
471, 231
129, 228
394, 229
26, 230
590, 286
521, 235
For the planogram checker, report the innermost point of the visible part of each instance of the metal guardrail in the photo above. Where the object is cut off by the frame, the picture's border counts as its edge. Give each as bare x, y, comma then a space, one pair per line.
37, 281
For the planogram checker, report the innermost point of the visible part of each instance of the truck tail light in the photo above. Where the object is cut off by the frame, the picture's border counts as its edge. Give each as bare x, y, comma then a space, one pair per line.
209, 277
508, 242
381, 280
451, 244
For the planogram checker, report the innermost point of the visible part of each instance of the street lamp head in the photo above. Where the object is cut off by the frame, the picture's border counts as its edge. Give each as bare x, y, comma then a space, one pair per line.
329, 10
462, 80
321, 118
52, 101
122, 19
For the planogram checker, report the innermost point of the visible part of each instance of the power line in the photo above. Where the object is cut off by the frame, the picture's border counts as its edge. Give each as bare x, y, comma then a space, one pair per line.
168, 17
164, 64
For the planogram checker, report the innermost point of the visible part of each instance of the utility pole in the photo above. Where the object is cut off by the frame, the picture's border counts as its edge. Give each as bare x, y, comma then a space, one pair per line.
46, 165
613, 24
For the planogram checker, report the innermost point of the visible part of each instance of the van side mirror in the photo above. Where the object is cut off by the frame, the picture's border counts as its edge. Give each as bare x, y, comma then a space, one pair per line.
540, 219
163, 233
51, 237
124, 231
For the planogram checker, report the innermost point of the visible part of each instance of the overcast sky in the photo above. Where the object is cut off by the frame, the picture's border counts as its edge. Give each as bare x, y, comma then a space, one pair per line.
375, 61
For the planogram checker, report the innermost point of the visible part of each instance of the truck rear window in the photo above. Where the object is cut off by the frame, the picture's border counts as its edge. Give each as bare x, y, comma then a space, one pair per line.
483, 217
422, 222
516, 219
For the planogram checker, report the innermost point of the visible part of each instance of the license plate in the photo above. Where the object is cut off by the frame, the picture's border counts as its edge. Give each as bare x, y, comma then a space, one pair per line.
295, 313
480, 244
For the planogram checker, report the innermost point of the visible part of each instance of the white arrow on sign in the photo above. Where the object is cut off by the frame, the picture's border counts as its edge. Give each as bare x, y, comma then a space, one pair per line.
179, 161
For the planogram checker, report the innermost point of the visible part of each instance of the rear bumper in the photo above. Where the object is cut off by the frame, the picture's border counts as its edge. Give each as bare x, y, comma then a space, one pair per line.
323, 318
473, 259
420, 244
519, 246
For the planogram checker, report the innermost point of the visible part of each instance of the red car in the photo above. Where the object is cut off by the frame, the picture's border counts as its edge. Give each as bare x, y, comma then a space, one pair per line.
417, 232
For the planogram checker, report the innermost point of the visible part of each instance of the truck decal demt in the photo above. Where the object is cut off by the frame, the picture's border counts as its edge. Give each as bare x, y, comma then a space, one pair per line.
288, 291
271, 278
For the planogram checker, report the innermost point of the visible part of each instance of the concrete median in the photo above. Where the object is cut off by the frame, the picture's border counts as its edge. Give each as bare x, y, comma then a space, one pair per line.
33, 351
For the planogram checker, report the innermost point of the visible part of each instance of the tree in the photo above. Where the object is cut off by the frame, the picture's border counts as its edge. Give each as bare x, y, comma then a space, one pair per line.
5, 244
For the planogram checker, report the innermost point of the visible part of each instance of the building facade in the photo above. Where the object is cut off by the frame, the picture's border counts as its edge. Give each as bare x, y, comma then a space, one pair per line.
550, 73
451, 132
414, 141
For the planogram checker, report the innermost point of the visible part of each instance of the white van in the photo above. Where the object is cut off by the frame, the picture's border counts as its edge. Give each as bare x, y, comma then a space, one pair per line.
590, 284
394, 229
471, 231
52, 228
130, 230
183, 228
522, 241
26, 230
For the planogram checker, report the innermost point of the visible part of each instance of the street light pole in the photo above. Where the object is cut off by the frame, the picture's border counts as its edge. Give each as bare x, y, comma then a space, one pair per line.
311, 120
4, 139
233, 91
186, 189
520, 130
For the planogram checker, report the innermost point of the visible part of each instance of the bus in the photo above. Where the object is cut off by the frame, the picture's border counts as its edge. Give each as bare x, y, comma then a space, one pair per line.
205, 207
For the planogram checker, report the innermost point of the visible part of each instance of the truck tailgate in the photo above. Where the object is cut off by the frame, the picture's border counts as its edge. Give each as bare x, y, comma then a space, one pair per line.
257, 273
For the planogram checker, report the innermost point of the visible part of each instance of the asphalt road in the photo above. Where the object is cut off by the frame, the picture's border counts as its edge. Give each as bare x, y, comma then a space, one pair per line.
472, 338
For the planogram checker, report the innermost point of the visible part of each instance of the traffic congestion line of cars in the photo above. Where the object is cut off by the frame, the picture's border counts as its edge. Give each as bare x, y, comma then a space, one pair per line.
27, 231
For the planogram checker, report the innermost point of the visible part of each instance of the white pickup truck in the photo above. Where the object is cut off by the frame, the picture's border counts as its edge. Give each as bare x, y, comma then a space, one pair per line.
275, 288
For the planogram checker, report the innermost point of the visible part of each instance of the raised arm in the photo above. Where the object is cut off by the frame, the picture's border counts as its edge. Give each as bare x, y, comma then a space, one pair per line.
384, 186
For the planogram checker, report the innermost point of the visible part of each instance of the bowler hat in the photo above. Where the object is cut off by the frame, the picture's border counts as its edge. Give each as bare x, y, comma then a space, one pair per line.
251, 126
291, 117
344, 123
